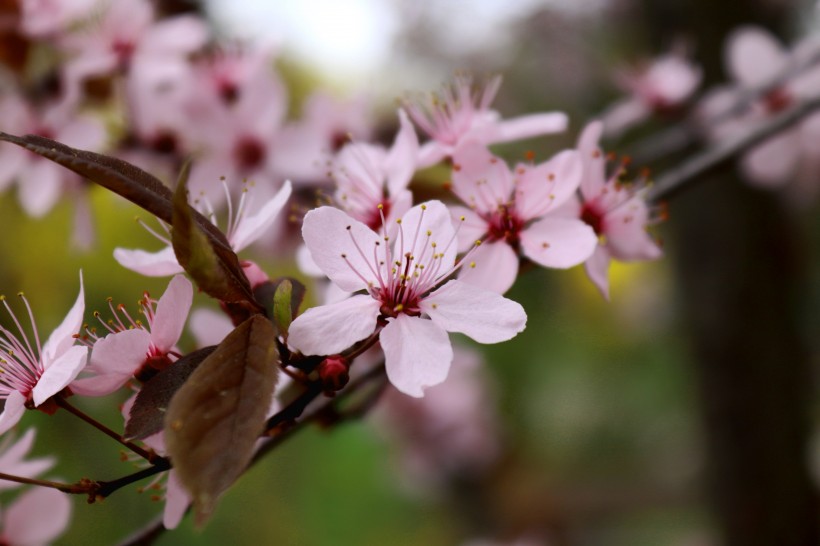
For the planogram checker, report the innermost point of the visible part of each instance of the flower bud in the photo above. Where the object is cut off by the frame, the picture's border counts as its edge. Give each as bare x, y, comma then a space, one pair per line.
333, 371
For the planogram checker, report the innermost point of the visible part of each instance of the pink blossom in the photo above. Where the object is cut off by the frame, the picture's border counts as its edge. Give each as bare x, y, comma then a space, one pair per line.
461, 113
513, 212
756, 59
41, 18
133, 347
406, 292
31, 373
659, 86
243, 229
37, 517
12, 454
618, 214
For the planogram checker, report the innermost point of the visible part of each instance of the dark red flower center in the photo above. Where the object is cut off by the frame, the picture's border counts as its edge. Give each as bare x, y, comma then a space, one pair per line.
249, 153
505, 225
777, 100
593, 217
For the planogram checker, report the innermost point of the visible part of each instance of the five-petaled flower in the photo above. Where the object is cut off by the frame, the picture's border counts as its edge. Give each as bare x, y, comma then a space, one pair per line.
404, 294
30, 373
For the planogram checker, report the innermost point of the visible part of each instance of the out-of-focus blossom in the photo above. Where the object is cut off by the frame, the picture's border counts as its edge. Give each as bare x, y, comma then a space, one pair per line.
657, 87
452, 432
133, 347
616, 212
461, 112
511, 212
243, 229
37, 517
31, 373
12, 459
49, 18
404, 293
755, 59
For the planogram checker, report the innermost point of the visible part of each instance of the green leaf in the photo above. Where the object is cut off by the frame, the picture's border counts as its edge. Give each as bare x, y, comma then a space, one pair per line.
215, 269
117, 175
282, 315
147, 415
216, 417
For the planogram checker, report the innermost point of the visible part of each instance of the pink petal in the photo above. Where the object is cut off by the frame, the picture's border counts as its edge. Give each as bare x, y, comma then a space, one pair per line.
432, 152
62, 372
39, 187
12, 162
417, 354
434, 218
529, 126
332, 328
547, 186
772, 163
209, 327
496, 267
150, 264
38, 516
624, 114
253, 227
328, 239
12, 461
171, 314
597, 268
558, 242
12, 411
484, 316
63, 336
626, 236
176, 502
113, 361
178, 35
480, 179
593, 160
401, 160
471, 227
754, 56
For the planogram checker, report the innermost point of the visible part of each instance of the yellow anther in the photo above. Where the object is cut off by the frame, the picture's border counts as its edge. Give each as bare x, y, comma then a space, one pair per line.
472, 264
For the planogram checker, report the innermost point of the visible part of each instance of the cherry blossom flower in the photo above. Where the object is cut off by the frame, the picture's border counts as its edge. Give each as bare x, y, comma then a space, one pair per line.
371, 182
133, 348
657, 87
406, 293
512, 212
12, 459
756, 59
41, 18
243, 229
38, 516
33, 373
462, 112
618, 213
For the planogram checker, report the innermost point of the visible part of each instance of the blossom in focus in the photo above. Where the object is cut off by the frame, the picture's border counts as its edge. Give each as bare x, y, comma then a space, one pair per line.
616, 212
244, 228
512, 212
406, 294
756, 59
38, 516
659, 86
461, 112
133, 347
33, 373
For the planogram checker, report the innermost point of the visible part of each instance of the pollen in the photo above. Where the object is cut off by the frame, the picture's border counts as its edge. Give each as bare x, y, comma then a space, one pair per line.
472, 265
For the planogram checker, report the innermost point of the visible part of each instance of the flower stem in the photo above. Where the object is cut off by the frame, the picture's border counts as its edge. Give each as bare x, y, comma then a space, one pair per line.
74, 488
63, 403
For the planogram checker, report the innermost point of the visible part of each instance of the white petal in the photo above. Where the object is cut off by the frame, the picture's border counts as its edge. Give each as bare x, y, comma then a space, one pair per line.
253, 227
62, 372
113, 361
417, 354
401, 160
330, 329
63, 336
150, 264
754, 56
431, 217
597, 268
172, 312
38, 516
547, 186
176, 502
558, 242
496, 267
328, 238
485, 316
40, 187
481, 179
530, 125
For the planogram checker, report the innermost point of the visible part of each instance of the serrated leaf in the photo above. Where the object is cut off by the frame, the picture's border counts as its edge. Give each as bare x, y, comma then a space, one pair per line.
216, 417
147, 415
121, 177
215, 270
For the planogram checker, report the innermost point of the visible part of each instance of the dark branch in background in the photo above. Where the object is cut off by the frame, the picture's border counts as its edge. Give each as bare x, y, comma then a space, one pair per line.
674, 180
678, 137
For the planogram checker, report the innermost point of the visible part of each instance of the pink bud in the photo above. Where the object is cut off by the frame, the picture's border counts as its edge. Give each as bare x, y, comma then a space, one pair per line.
333, 372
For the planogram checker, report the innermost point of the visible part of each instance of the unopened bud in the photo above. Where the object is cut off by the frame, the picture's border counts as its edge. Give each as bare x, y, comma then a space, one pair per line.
333, 371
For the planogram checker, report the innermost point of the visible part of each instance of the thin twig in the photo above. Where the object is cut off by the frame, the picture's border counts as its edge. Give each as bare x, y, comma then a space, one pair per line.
83, 487
673, 180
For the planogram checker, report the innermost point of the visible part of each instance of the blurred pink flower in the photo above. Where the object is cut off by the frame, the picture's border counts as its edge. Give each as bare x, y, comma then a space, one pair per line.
12, 454
36, 517
510, 211
461, 113
403, 293
33, 374
617, 213
42, 18
133, 347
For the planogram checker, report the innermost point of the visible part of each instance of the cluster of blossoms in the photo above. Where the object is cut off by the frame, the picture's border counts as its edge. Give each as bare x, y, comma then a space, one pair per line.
405, 272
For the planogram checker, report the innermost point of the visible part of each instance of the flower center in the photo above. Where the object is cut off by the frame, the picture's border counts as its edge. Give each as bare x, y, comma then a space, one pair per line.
593, 217
505, 225
777, 100
249, 153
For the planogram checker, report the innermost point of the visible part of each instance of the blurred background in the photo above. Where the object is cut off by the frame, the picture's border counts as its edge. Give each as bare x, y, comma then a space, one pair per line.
683, 412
